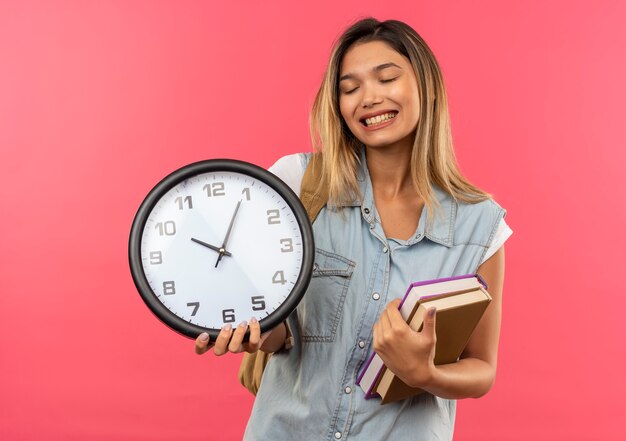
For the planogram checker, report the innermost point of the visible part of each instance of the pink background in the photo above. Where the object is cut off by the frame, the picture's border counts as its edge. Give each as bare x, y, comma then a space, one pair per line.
99, 100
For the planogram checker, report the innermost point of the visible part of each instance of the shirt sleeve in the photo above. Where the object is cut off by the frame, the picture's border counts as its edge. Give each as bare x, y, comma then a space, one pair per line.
502, 234
290, 169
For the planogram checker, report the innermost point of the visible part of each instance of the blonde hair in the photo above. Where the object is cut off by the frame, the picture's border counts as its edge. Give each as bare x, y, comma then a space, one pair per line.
432, 159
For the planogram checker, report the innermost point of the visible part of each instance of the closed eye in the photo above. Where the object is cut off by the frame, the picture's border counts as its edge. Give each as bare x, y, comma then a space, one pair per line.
348, 92
389, 80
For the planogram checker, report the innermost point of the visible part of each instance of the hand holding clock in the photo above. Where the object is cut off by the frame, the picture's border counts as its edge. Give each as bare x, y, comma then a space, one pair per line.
232, 341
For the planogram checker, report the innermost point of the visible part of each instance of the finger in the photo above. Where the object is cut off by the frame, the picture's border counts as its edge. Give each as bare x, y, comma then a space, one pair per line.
377, 337
221, 343
385, 330
395, 303
429, 323
254, 342
385, 322
376, 330
393, 314
237, 338
202, 343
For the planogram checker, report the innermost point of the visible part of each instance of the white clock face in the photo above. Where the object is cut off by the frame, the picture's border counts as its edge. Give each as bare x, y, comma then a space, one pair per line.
221, 247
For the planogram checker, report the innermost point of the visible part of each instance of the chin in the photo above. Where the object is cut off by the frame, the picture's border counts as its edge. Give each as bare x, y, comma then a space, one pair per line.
382, 139
381, 143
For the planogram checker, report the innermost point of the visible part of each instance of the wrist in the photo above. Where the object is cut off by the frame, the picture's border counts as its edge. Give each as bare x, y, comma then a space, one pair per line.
424, 377
275, 340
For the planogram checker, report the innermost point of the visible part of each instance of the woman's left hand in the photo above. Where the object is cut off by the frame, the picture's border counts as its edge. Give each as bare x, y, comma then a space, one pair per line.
407, 353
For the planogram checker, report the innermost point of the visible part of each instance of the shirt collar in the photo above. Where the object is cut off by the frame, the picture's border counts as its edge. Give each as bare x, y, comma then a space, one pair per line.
439, 230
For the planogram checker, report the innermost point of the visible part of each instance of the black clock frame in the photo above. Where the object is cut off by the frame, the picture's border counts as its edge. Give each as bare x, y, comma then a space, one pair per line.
208, 166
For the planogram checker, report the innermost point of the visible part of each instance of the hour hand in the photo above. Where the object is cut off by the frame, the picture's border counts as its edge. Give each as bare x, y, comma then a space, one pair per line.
213, 247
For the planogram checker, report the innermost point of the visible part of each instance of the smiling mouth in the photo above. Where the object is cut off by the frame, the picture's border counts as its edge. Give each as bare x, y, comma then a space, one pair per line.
378, 119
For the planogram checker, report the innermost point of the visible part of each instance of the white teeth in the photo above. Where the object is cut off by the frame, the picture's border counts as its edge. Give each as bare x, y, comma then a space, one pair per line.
379, 119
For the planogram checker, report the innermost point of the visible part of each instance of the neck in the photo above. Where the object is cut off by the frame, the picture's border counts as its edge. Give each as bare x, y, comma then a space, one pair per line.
390, 171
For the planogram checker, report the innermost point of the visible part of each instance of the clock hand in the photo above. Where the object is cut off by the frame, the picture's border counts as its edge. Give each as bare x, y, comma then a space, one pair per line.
222, 249
213, 247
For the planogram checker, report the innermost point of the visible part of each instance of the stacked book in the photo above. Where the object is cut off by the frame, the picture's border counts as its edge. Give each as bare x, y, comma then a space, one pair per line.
460, 302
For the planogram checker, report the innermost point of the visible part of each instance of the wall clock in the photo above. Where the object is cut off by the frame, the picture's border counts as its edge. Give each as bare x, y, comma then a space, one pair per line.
221, 241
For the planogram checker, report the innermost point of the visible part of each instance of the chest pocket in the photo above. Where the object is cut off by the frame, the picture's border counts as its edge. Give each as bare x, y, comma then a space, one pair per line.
322, 306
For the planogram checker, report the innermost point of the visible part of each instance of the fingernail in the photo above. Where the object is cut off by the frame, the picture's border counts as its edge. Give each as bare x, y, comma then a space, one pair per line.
431, 312
243, 324
227, 327
204, 336
253, 320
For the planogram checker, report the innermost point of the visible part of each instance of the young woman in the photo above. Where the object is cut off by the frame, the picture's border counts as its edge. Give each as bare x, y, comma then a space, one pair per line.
399, 211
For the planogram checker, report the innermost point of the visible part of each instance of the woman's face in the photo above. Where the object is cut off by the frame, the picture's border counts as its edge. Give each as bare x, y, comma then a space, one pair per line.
378, 95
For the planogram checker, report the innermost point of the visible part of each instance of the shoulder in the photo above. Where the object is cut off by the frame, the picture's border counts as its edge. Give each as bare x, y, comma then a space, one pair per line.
478, 222
292, 161
464, 212
493, 230
487, 209
290, 168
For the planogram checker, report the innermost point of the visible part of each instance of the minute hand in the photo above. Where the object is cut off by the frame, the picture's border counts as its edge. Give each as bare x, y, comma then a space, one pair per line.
230, 228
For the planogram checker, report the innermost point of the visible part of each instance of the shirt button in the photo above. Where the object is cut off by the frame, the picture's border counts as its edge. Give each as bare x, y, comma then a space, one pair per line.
337, 435
376, 296
385, 249
361, 344
348, 389
366, 211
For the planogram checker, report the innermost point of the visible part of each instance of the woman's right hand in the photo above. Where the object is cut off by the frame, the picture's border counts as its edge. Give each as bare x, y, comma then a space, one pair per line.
229, 340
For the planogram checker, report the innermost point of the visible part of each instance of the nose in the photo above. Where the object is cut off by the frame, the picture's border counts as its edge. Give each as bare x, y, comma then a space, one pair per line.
371, 96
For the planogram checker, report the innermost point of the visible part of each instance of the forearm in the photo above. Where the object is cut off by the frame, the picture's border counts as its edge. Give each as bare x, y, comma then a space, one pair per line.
467, 378
474, 375
410, 354
276, 339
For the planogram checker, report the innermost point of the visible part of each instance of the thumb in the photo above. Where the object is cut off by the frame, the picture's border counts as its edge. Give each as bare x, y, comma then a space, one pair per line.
429, 323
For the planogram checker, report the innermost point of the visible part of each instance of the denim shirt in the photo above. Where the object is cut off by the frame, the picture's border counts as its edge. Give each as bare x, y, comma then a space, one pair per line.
308, 392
